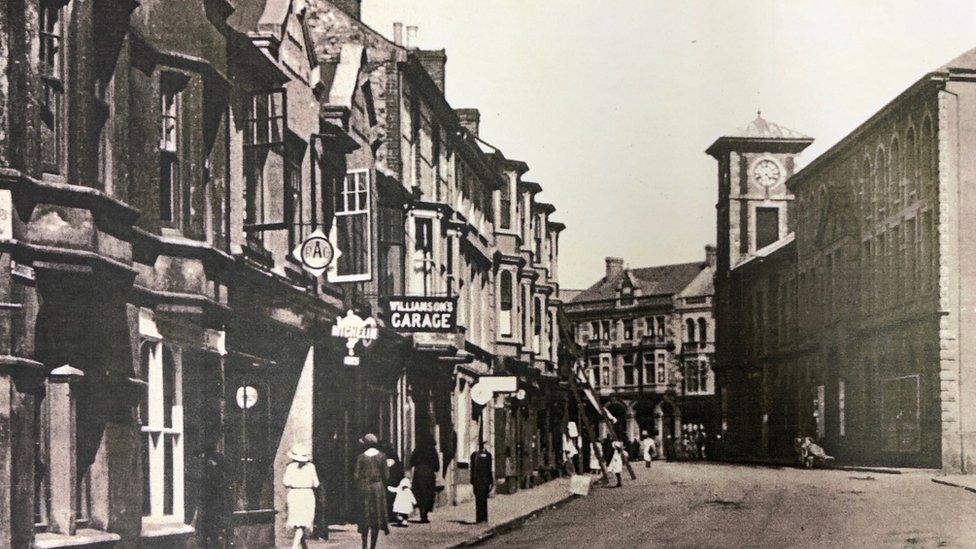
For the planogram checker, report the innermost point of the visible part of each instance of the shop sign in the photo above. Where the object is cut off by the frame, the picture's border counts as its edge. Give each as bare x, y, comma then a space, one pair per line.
316, 253
247, 397
354, 328
421, 313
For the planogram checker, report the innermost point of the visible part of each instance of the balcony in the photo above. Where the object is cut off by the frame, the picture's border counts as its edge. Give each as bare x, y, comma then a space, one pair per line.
656, 340
697, 347
598, 345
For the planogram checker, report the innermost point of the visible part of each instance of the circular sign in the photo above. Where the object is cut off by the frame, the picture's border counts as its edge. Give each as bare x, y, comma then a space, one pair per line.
316, 252
520, 394
247, 397
480, 394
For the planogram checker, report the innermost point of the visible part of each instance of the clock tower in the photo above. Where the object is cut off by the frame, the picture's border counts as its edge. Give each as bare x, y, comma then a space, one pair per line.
754, 206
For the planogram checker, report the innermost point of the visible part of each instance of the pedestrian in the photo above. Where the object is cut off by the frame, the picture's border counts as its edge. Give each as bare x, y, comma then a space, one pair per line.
648, 448
396, 475
607, 448
617, 461
594, 457
301, 481
404, 502
425, 462
482, 481
701, 441
371, 473
569, 454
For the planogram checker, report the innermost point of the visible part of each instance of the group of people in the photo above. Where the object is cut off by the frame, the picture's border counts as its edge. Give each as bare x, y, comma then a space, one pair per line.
691, 444
387, 494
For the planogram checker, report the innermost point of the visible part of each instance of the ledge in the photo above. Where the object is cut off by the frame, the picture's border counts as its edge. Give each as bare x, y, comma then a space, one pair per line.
64, 194
165, 529
83, 537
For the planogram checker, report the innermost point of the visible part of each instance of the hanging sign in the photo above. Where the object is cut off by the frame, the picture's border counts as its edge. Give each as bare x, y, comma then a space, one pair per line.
247, 397
316, 253
354, 328
421, 313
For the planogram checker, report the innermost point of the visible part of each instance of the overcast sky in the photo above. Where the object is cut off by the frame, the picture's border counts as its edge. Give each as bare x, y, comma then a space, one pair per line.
612, 103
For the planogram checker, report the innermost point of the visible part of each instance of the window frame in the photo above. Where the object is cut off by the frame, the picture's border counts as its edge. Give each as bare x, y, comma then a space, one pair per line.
153, 419
51, 67
362, 201
255, 157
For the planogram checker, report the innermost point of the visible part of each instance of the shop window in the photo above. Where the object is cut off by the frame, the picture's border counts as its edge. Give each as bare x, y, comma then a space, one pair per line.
161, 421
264, 161
352, 228
51, 68
767, 226
506, 298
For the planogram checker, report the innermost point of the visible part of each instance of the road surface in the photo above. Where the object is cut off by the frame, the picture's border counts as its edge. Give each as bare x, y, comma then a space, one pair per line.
716, 505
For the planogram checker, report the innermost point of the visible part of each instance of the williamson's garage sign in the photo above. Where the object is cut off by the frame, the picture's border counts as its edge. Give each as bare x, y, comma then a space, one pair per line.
421, 313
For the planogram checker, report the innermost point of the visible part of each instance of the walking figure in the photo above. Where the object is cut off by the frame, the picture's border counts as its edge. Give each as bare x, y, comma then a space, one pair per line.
371, 473
404, 502
301, 480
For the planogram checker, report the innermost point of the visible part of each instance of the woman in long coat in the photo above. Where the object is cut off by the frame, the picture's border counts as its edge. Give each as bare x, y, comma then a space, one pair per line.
371, 474
425, 463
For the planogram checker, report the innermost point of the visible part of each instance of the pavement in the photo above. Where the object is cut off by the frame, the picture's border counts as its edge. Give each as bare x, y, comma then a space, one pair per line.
453, 526
967, 482
688, 504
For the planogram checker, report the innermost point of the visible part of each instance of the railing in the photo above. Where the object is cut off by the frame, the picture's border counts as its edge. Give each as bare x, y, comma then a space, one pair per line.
697, 347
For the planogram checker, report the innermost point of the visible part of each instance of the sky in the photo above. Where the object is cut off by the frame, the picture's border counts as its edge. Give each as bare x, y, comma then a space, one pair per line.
613, 102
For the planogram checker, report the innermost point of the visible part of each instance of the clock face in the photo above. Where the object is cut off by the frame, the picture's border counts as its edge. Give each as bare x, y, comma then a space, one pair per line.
767, 173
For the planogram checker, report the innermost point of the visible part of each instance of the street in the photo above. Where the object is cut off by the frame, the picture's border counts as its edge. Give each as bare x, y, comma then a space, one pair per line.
714, 505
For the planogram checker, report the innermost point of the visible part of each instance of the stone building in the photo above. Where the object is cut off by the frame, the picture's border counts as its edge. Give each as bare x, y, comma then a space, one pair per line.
853, 323
163, 349
647, 334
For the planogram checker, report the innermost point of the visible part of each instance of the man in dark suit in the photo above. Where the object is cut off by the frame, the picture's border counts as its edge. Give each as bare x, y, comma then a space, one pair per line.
482, 480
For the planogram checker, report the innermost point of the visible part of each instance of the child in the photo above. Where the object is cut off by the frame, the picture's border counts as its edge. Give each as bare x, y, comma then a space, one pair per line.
404, 503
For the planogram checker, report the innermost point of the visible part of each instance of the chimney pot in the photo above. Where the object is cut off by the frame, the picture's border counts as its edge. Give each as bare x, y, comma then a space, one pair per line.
615, 266
470, 120
398, 33
710, 255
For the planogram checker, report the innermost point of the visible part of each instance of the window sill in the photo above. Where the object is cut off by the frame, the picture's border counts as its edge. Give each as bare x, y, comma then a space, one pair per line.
161, 529
83, 537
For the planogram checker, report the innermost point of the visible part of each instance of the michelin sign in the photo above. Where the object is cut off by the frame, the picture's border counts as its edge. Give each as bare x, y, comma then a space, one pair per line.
421, 313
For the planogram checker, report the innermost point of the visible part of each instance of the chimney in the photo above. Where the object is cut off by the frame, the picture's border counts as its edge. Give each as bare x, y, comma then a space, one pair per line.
434, 62
710, 255
411, 37
615, 266
398, 33
351, 7
470, 119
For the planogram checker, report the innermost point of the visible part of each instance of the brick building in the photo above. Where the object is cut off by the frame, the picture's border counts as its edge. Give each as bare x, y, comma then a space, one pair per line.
162, 348
648, 337
853, 325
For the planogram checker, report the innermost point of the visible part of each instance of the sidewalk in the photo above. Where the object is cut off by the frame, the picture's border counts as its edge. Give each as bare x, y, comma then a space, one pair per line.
453, 526
967, 482
787, 462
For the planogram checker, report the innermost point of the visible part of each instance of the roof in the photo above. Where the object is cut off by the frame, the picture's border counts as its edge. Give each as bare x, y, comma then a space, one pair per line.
567, 295
702, 285
660, 280
767, 251
964, 61
762, 130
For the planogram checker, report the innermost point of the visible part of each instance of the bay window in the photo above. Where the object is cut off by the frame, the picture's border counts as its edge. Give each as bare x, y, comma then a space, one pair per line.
505, 205
51, 68
352, 229
505, 297
264, 161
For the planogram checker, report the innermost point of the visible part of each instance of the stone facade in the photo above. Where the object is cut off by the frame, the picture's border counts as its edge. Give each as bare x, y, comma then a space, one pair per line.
852, 328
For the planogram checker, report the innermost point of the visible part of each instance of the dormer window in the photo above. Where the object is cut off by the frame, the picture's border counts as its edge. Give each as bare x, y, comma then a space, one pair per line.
626, 295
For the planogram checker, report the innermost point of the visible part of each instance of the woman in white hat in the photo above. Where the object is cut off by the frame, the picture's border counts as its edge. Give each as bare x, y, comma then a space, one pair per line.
301, 481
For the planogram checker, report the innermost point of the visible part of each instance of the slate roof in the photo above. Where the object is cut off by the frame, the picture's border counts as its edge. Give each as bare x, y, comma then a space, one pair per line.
965, 61
702, 285
660, 280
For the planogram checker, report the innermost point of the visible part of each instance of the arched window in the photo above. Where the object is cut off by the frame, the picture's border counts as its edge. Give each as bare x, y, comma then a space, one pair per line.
702, 330
689, 330
880, 174
505, 303
866, 190
926, 157
911, 166
895, 181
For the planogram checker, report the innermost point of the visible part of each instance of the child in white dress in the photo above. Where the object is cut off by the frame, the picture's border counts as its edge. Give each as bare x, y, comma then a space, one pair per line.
404, 503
